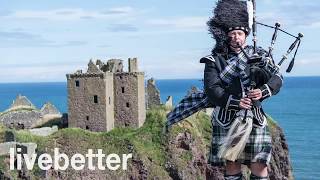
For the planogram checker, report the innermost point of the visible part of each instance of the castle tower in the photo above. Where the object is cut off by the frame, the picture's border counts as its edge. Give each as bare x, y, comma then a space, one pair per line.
106, 97
133, 65
91, 99
130, 110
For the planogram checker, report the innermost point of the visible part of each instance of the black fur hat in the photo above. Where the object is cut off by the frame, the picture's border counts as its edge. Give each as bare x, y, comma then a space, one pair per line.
229, 15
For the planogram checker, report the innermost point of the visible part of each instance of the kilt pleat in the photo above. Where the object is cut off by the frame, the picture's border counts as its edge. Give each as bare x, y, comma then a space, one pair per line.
258, 147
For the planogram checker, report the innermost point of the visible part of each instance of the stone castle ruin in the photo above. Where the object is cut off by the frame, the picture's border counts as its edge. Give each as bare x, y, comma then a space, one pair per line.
153, 94
21, 102
22, 114
106, 96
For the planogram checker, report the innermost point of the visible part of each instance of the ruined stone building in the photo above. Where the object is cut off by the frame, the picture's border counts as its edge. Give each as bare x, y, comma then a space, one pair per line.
153, 94
105, 96
22, 114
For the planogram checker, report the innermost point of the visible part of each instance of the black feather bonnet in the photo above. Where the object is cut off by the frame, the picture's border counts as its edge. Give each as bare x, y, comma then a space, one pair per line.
229, 15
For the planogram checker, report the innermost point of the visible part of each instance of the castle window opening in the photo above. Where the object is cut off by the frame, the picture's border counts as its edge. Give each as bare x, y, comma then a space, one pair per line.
87, 118
120, 77
122, 89
95, 99
109, 100
77, 83
87, 127
127, 104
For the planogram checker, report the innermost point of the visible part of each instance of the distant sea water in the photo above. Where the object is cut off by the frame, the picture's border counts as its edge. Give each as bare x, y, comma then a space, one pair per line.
296, 108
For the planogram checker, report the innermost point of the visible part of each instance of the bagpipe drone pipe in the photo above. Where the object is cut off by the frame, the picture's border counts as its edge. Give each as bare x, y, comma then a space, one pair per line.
262, 68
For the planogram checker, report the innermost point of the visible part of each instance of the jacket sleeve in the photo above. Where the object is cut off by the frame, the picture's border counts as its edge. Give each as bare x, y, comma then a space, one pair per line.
272, 87
216, 89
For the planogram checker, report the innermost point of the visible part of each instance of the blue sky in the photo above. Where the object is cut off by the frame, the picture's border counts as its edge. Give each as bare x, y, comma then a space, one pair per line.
42, 40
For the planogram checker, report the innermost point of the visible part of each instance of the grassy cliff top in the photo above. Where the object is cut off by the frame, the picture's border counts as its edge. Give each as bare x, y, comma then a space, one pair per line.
147, 143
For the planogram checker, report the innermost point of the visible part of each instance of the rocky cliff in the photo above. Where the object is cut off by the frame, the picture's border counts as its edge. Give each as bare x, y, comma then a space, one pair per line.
180, 154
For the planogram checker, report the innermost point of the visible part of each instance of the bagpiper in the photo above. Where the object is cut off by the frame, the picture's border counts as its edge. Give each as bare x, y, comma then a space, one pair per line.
235, 88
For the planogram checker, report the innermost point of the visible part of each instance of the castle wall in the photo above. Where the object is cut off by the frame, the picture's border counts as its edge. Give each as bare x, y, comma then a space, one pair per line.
153, 94
106, 97
20, 119
141, 100
108, 81
129, 99
88, 101
133, 65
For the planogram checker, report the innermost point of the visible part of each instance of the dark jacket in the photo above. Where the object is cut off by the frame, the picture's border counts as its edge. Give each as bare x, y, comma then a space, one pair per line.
226, 98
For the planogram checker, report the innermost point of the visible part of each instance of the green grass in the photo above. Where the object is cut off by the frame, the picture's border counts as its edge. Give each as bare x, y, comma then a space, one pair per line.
148, 142
52, 122
187, 156
272, 124
2, 165
26, 136
2, 131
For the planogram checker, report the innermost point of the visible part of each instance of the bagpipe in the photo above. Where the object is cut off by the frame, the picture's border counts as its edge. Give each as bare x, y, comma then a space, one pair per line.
261, 75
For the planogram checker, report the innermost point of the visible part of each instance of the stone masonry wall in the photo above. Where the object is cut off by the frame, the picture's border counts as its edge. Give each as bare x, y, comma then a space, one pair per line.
153, 94
49, 108
141, 100
133, 65
108, 81
21, 101
83, 111
127, 99
20, 119
120, 96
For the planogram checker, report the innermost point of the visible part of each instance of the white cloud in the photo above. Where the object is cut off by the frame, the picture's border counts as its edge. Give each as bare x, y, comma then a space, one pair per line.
307, 62
292, 13
185, 69
73, 14
119, 10
36, 73
24, 39
315, 24
303, 66
181, 23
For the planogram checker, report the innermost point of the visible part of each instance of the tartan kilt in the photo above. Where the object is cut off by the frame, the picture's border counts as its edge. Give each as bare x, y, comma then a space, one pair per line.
257, 149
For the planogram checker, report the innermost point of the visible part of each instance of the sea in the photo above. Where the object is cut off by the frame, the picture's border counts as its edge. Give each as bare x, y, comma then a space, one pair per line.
296, 108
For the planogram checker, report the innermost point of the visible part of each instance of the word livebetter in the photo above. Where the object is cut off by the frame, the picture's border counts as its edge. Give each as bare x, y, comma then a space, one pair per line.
61, 161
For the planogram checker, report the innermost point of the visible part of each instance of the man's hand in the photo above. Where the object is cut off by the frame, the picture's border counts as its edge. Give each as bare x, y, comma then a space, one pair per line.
255, 94
245, 103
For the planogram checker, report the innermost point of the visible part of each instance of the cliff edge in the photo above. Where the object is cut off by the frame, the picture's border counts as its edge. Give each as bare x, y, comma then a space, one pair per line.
180, 154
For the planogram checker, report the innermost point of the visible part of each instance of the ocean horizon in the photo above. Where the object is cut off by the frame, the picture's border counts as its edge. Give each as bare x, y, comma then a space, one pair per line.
296, 109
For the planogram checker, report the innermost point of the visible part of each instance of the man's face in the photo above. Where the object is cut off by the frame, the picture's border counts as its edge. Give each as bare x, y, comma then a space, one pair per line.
237, 37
